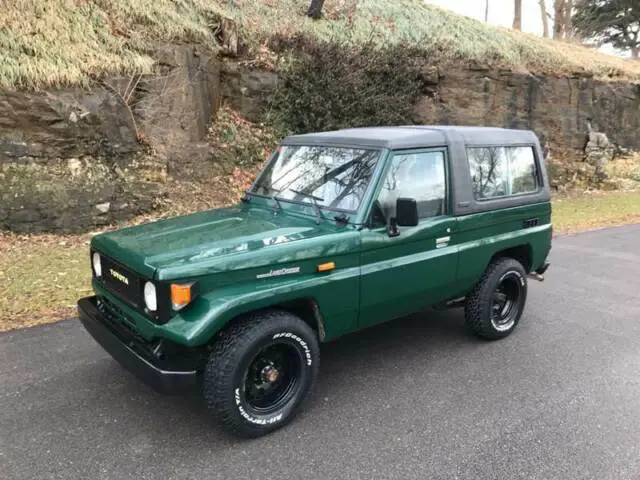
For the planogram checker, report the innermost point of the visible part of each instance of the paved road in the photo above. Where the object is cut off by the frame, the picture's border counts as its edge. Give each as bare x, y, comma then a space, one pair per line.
417, 398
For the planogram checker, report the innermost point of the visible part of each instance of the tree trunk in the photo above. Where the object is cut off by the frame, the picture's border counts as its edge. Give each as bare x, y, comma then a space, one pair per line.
486, 11
635, 53
315, 9
568, 21
558, 19
517, 16
545, 19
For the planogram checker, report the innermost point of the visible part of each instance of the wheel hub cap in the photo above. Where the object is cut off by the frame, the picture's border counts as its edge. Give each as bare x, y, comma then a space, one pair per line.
272, 379
270, 374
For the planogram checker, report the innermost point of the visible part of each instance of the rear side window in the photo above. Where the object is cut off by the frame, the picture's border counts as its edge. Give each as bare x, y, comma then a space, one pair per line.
502, 171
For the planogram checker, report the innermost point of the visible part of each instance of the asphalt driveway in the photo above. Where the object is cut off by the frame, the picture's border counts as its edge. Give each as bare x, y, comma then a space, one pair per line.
416, 398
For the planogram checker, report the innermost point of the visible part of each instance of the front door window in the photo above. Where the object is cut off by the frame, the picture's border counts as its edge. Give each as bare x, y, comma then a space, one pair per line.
420, 176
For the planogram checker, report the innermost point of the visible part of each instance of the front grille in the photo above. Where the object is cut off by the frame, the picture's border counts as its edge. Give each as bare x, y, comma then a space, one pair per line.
118, 321
127, 286
122, 281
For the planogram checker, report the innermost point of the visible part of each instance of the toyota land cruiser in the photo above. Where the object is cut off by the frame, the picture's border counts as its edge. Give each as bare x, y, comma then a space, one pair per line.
341, 231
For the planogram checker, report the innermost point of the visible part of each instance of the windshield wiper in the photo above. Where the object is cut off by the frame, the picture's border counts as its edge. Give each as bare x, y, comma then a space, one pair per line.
315, 201
273, 197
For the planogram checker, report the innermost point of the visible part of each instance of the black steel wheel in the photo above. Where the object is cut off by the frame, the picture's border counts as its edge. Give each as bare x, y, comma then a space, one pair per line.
271, 380
505, 301
495, 305
260, 371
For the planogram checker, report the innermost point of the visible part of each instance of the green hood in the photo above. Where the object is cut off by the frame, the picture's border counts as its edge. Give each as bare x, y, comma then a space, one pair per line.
205, 236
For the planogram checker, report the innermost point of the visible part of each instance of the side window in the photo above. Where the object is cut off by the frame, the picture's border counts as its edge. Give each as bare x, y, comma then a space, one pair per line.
488, 167
522, 166
502, 171
420, 176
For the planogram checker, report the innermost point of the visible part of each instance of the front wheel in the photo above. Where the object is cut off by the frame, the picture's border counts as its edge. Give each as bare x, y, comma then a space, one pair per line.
495, 305
260, 372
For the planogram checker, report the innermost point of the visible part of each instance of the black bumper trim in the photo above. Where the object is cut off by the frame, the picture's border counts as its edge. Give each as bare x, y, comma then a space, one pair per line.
163, 381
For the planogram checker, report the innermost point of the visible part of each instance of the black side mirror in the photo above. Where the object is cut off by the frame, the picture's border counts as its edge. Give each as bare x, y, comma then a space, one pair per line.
407, 212
406, 215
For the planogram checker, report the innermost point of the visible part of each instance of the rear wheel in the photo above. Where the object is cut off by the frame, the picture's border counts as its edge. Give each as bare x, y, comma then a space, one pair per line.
495, 305
260, 372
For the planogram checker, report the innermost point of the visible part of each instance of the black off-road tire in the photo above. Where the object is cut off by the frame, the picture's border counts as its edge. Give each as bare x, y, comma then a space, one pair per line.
480, 302
235, 351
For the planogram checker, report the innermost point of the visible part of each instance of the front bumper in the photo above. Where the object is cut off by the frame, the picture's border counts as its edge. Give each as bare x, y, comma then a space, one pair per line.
124, 351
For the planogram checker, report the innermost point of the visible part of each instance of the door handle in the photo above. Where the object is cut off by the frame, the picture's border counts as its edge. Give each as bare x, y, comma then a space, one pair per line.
442, 241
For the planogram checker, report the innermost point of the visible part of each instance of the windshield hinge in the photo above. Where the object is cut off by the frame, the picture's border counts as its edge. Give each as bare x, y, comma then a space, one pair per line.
342, 218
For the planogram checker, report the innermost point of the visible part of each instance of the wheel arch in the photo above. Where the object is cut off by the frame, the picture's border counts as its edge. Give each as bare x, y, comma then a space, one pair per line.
523, 253
306, 308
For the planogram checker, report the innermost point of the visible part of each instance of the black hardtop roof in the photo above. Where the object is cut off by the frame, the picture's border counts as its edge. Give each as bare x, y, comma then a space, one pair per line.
415, 136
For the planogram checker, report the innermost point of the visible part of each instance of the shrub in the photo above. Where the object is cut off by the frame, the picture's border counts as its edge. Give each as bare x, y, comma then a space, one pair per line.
326, 85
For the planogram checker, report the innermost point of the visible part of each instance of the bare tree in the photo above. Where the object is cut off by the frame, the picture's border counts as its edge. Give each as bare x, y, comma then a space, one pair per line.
486, 11
545, 18
568, 19
517, 16
558, 19
315, 9
563, 19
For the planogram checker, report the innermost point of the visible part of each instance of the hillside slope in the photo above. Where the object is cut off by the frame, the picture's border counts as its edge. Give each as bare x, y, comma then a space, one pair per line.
62, 42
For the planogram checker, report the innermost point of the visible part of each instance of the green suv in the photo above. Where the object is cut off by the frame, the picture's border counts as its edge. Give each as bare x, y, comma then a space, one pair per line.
341, 231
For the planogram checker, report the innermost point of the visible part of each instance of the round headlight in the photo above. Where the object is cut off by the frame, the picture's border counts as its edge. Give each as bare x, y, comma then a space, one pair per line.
97, 265
150, 298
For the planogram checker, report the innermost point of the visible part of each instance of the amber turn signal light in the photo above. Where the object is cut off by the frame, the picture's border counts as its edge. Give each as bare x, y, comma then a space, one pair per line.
180, 295
325, 267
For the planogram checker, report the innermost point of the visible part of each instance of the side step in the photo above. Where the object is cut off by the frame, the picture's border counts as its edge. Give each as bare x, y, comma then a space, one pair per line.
455, 303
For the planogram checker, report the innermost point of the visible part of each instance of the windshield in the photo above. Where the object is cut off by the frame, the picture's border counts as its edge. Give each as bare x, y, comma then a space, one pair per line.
332, 177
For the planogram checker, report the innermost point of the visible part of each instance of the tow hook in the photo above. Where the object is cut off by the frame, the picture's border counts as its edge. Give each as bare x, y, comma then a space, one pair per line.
157, 350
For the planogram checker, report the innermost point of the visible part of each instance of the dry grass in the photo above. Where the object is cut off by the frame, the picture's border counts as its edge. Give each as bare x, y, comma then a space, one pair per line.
41, 277
444, 35
578, 213
61, 42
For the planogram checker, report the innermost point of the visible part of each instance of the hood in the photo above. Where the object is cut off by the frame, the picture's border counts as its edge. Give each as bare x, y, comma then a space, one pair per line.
203, 236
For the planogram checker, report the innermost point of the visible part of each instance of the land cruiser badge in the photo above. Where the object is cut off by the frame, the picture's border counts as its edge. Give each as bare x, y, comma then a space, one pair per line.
281, 271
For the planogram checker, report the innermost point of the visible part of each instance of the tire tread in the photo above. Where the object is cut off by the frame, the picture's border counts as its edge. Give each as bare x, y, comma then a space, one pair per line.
475, 304
223, 359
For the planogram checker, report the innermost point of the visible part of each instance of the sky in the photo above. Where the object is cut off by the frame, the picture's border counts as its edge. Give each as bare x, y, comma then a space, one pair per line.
501, 13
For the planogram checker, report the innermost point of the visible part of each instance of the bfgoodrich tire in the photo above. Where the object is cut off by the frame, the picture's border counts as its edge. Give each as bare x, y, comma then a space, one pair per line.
260, 372
495, 305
